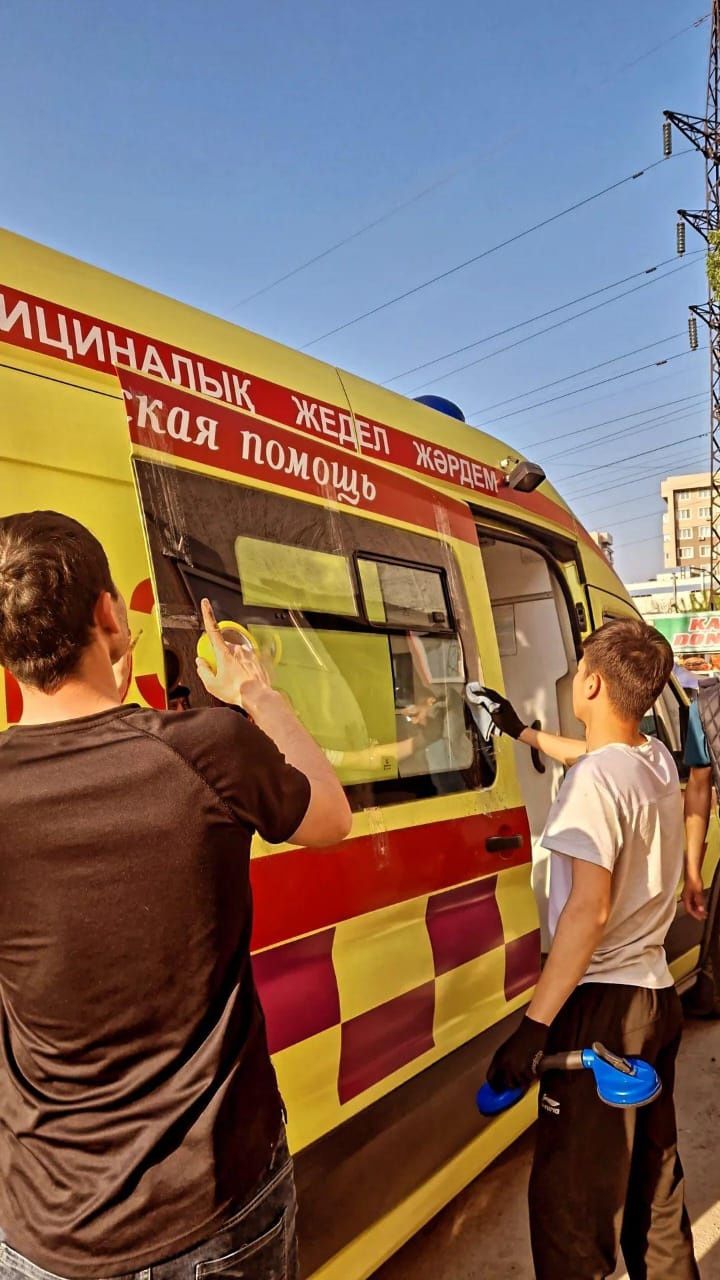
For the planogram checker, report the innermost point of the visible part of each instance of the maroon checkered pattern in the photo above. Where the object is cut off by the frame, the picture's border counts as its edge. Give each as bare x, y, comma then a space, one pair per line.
298, 987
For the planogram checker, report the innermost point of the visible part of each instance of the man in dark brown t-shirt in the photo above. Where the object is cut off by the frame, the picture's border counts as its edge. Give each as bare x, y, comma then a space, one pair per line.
140, 1119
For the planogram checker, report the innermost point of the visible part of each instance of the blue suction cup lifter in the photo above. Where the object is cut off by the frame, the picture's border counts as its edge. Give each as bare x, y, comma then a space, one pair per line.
622, 1082
491, 1103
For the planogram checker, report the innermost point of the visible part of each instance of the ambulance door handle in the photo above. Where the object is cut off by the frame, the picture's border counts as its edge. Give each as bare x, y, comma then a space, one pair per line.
537, 763
501, 844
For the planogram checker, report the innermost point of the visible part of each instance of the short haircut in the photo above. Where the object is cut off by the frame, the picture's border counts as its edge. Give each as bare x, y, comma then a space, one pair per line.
52, 572
634, 660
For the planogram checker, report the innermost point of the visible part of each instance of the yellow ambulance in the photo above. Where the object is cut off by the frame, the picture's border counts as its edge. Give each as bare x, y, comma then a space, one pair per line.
382, 554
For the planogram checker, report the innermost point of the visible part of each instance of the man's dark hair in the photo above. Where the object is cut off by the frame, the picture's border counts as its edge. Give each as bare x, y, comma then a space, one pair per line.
634, 660
52, 571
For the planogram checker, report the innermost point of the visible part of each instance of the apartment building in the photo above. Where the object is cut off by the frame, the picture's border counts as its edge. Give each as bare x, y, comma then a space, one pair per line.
686, 522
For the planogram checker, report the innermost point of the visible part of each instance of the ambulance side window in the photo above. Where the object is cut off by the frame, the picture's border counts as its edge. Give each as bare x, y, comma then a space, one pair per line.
370, 658
364, 627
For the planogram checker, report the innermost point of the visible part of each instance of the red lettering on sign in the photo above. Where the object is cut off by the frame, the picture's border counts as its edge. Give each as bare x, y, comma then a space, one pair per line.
249, 448
39, 325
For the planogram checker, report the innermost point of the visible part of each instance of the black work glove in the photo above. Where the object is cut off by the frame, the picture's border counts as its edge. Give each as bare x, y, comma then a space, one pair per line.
504, 716
515, 1064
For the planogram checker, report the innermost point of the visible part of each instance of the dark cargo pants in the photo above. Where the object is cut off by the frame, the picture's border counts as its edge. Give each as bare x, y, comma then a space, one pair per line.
604, 1176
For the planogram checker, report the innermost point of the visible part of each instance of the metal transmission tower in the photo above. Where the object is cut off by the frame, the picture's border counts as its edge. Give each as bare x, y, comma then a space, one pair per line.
704, 133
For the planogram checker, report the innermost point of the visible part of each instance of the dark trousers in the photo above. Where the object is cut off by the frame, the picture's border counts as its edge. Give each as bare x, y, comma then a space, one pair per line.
256, 1243
604, 1176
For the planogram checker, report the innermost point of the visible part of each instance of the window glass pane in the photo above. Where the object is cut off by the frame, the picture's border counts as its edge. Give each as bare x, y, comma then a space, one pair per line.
380, 707
272, 573
372, 591
383, 698
340, 684
411, 596
430, 705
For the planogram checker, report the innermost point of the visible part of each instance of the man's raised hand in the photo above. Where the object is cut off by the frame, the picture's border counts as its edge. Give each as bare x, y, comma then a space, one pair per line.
239, 675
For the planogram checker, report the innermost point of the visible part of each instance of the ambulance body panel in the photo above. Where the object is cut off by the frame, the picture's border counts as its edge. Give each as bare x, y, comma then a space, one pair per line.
375, 552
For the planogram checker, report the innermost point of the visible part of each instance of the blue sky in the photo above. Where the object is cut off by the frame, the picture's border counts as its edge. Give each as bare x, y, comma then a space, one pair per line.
207, 149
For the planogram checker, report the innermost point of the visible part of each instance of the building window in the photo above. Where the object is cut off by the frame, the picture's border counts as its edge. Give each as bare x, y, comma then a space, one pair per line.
686, 534
704, 531
705, 552
703, 513
686, 553
684, 513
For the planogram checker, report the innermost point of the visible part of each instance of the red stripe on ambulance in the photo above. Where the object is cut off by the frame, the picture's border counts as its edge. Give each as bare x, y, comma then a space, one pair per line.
40, 325
299, 891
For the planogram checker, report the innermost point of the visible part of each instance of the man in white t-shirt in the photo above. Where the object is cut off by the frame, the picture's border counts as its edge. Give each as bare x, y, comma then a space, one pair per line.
603, 1177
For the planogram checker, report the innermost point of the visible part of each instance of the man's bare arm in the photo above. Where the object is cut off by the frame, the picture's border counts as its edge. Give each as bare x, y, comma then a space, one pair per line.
698, 803
566, 750
241, 680
580, 928
328, 818
507, 720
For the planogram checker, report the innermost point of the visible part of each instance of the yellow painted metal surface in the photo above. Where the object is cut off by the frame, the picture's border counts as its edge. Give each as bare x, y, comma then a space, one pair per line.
369, 1250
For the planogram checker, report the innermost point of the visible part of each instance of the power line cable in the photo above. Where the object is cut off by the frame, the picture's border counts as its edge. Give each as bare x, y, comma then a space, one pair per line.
558, 324
648, 53
652, 425
638, 542
626, 66
621, 484
662, 420
545, 386
662, 471
646, 515
443, 181
485, 253
615, 377
616, 462
354, 235
606, 422
541, 315
656, 383
610, 503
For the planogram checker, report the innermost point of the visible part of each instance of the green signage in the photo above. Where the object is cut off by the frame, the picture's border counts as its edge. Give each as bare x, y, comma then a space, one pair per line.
690, 632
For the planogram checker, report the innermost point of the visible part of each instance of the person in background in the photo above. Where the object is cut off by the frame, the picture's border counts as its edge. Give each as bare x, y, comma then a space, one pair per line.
698, 805
142, 1128
603, 1177
178, 695
702, 755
